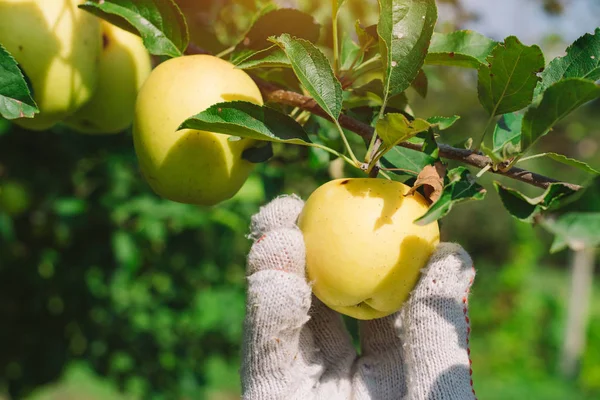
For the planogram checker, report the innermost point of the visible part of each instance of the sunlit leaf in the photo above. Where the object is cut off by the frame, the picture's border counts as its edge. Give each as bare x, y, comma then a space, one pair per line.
394, 128
160, 23
443, 123
248, 120
314, 72
558, 101
582, 61
466, 49
405, 28
507, 82
270, 58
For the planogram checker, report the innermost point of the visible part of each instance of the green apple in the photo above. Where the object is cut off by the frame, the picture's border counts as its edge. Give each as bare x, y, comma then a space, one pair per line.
124, 66
57, 45
364, 253
191, 166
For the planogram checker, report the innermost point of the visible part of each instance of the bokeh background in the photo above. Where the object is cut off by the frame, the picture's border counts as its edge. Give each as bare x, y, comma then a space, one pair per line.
110, 292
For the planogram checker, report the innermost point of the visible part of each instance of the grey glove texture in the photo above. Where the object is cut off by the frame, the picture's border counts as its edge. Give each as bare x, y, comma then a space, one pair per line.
297, 348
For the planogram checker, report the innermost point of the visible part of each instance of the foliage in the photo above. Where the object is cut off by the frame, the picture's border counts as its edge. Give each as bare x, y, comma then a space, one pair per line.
510, 79
93, 266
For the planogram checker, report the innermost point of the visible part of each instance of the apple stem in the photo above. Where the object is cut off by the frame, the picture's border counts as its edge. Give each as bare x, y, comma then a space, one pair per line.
374, 171
225, 52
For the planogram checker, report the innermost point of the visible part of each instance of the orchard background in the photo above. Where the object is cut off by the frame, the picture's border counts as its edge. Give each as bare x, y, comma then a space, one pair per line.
108, 291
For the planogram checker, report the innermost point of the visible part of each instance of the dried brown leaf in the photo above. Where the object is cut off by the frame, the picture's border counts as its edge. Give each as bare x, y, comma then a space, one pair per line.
432, 179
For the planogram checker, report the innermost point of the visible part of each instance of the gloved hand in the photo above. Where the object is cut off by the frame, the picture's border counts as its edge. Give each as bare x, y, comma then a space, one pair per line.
297, 348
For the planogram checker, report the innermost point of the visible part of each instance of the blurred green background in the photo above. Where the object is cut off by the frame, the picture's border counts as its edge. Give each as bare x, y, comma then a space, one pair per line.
110, 292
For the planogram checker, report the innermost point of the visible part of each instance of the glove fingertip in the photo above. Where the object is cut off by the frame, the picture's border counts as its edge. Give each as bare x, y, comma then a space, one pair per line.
450, 270
280, 249
282, 212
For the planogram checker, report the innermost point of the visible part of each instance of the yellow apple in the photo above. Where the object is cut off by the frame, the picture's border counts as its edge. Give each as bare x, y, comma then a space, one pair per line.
191, 166
364, 253
57, 45
124, 66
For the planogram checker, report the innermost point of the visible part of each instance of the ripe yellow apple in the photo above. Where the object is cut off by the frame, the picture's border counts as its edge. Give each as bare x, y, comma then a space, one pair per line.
124, 66
191, 166
363, 251
57, 45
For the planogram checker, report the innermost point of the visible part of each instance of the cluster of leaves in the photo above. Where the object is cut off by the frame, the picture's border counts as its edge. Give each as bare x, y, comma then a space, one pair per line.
367, 78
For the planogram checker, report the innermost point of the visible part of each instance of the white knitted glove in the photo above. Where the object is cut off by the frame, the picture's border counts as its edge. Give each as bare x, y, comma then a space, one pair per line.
297, 348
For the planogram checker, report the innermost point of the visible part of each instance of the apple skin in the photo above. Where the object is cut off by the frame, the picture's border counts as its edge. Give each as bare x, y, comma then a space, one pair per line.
57, 45
191, 166
363, 251
124, 66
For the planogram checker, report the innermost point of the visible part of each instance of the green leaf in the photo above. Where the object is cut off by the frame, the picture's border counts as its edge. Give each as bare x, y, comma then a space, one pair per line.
420, 84
507, 131
571, 162
558, 101
507, 83
15, 98
367, 37
160, 23
585, 200
465, 49
274, 58
582, 61
405, 28
314, 72
577, 230
394, 128
248, 120
429, 145
528, 209
461, 188
443, 123
577, 222
277, 22
507, 138
371, 94
404, 161
351, 54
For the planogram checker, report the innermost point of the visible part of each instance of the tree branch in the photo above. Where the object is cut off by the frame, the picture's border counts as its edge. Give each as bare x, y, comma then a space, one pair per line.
275, 94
